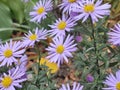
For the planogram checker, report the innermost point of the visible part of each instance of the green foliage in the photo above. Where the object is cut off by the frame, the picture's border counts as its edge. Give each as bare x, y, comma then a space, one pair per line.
89, 59
5, 21
17, 9
11, 11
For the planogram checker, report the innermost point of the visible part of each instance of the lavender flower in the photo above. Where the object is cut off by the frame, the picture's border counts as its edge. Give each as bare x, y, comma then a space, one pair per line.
40, 10
113, 82
31, 38
75, 87
94, 10
61, 49
61, 26
114, 35
13, 79
68, 5
9, 52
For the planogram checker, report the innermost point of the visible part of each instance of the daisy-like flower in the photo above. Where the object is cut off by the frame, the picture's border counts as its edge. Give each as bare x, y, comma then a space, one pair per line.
13, 79
31, 38
76, 86
9, 52
61, 26
61, 49
68, 5
40, 10
90, 9
114, 35
52, 67
113, 82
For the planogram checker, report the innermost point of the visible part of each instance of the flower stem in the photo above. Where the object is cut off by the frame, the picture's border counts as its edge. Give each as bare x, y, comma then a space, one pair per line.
39, 56
22, 26
95, 45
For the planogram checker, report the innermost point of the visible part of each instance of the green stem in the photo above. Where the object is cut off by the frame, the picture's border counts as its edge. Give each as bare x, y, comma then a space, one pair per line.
95, 45
16, 38
22, 26
39, 55
94, 33
12, 29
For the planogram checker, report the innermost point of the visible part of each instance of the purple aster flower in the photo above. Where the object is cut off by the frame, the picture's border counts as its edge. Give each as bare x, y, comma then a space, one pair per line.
114, 35
61, 26
13, 79
40, 10
94, 10
31, 38
113, 82
9, 52
76, 86
68, 5
61, 49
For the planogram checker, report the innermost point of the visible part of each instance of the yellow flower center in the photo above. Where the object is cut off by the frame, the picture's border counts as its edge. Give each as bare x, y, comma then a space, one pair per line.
7, 81
40, 10
71, 1
118, 86
62, 25
51, 66
89, 8
60, 49
33, 37
8, 53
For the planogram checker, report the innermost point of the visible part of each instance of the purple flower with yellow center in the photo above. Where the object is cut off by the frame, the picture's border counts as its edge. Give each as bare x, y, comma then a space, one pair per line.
113, 82
9, 52
114, 35
13, 79
62, 26
90, 9
68, 5
76, 86
60, 49
31, 38
40, 10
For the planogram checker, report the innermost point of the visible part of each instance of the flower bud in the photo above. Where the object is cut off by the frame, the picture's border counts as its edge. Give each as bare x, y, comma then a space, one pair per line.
89, 78
78, 38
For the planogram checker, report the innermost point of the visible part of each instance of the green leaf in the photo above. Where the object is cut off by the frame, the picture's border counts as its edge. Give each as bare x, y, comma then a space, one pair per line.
5, 21
15, 29
17, 8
